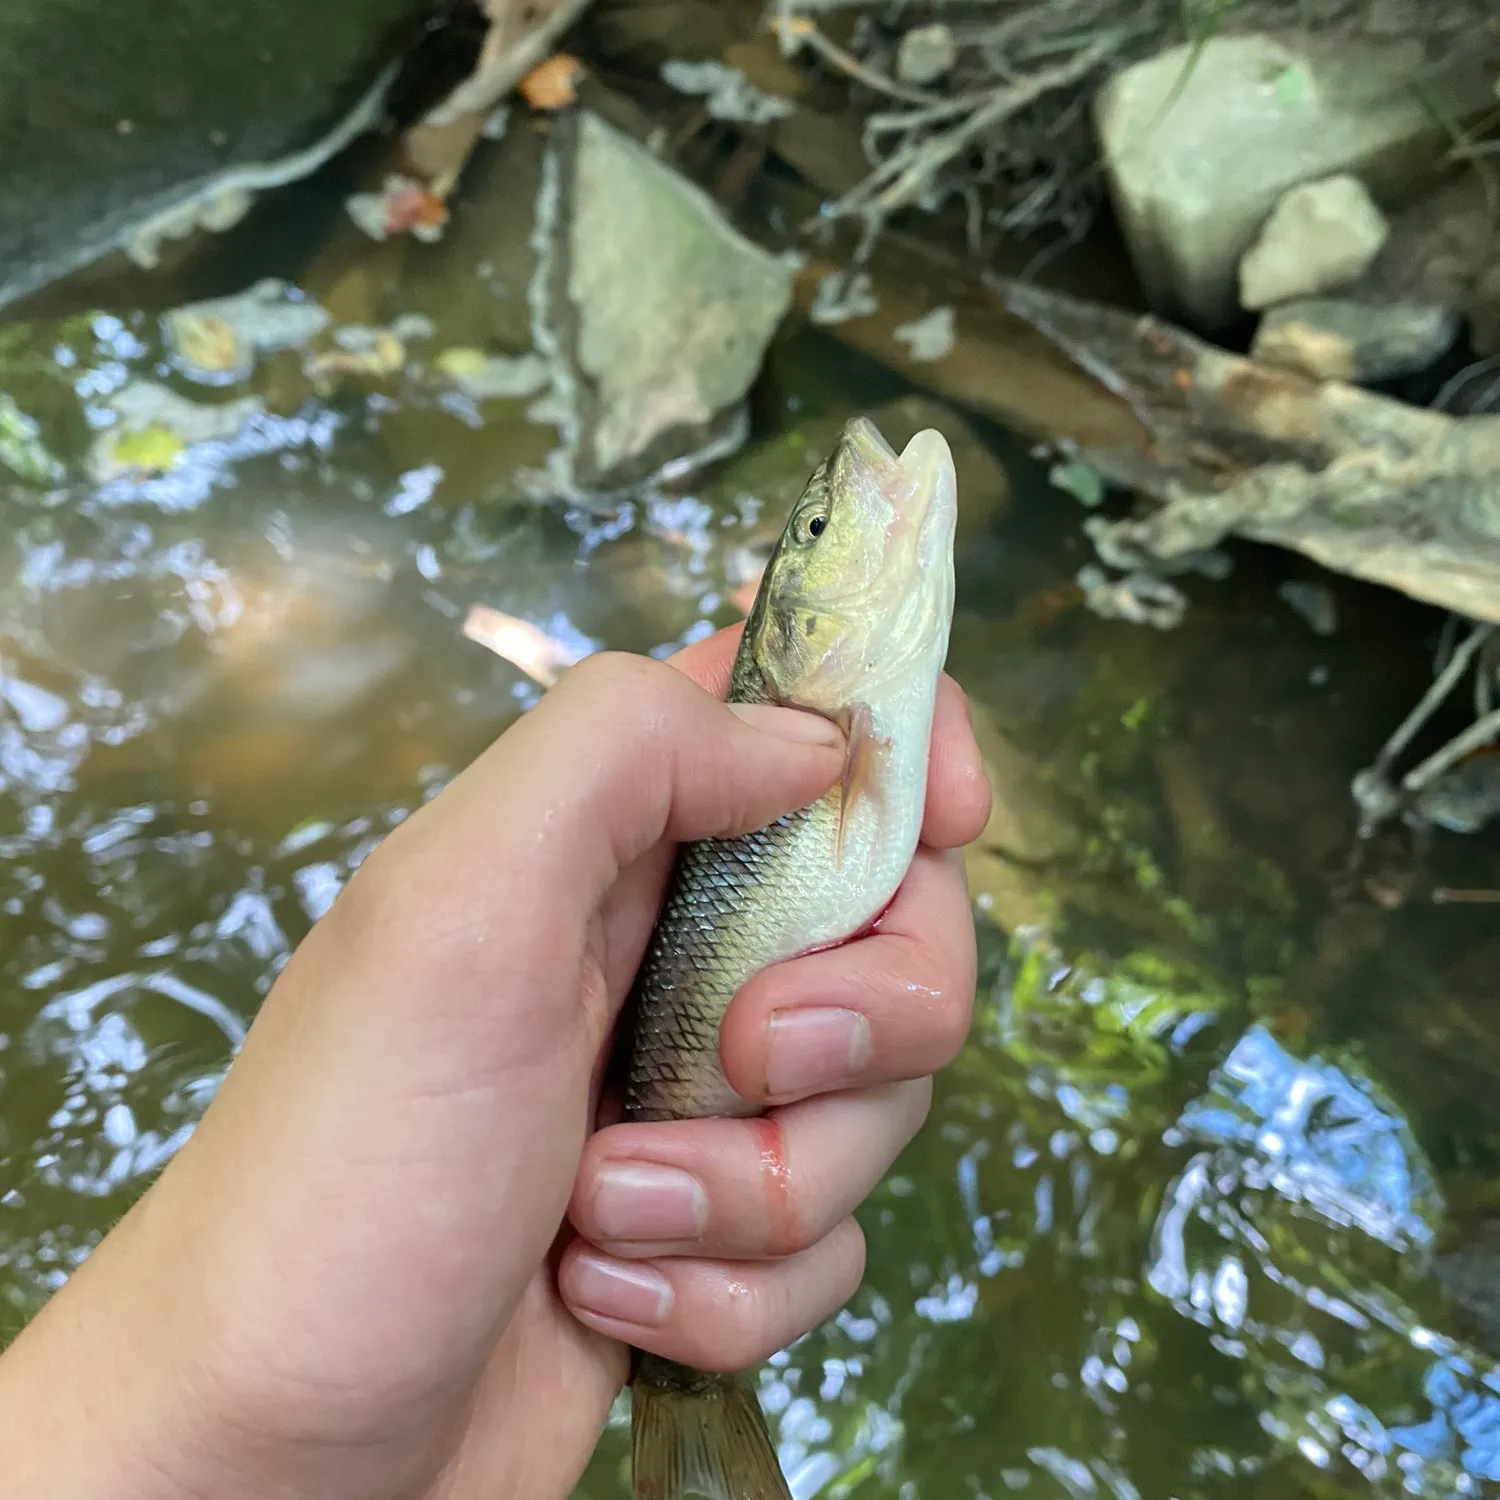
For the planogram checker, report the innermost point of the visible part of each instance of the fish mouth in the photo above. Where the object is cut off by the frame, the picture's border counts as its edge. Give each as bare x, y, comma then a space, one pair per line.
920, 483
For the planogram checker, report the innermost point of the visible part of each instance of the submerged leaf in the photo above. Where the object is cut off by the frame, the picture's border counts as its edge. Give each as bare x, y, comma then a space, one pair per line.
151, 447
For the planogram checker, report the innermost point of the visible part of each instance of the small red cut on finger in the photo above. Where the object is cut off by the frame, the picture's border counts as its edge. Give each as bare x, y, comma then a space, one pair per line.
761, 1189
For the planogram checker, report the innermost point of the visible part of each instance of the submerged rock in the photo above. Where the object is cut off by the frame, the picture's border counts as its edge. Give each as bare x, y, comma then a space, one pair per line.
1471, 1276
1198, 148
1484, 312
155, 426
127, 122
1320, 236
217, 342
1337, 338
1317, 1136
582, 286
1437, 245
1466, 800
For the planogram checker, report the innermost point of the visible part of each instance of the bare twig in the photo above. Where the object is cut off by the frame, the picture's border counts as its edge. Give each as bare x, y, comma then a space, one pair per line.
1375, 795
1442, 685
507, 57
1479, 734
932, 114
803, 33
900, 179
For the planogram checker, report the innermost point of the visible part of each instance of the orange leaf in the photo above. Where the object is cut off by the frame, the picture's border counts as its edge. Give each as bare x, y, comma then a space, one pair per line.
552, 84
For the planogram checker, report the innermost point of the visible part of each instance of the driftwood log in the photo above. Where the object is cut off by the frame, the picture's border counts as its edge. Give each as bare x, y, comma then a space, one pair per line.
1359, 482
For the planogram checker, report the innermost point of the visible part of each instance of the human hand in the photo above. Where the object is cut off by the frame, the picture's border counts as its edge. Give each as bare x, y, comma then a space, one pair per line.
357, 1278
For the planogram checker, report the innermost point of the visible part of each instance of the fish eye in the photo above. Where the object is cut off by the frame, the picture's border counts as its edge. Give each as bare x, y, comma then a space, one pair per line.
811, 526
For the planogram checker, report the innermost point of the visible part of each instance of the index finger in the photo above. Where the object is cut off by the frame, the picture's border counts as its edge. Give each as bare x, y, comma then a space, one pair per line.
958, 791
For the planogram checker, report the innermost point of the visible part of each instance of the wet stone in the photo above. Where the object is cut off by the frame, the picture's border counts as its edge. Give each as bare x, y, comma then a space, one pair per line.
1320, 236
125, 123
218, 342
1331, 338
926, 53
672, 307
1200, 143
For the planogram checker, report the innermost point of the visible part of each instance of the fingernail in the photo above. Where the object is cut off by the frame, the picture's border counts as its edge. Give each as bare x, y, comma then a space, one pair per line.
612, 1289
642, 1201
789, 723
812, 1050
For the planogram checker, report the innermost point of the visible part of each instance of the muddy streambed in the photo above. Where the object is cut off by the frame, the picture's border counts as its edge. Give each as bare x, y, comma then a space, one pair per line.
1201, 1210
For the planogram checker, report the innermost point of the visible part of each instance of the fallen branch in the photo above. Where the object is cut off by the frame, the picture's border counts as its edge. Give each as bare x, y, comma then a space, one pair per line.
1359, 482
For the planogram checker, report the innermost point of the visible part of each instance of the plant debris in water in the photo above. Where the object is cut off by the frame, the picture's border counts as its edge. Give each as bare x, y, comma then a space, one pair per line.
727, 93
987, 101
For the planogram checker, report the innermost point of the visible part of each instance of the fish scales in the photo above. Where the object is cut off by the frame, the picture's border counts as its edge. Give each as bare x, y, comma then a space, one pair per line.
718, 927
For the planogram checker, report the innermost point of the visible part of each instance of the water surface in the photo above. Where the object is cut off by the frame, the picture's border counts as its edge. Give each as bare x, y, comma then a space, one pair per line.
1171, 1228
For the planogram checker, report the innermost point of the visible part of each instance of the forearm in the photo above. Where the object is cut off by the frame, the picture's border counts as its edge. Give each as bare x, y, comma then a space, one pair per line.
95, 1399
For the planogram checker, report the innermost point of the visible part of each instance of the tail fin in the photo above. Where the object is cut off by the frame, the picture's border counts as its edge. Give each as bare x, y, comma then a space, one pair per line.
698, 1434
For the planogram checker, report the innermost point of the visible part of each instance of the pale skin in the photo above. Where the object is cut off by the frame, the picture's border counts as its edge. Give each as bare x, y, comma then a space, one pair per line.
404, 1255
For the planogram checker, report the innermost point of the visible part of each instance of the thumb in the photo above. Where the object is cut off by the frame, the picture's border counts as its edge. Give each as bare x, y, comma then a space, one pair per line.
627, 751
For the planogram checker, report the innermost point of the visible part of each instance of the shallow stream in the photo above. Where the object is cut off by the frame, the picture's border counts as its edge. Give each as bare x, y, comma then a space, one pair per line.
1171, 1228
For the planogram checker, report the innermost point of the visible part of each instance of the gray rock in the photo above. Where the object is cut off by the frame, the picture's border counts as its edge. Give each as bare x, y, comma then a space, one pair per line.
126, 122
1195, 164
583, 272
1471, 1276
1336, 338
673, 308
1320, 236
217, 342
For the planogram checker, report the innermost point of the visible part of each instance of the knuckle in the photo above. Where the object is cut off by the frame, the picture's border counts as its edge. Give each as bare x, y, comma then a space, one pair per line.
642, 699
609, 676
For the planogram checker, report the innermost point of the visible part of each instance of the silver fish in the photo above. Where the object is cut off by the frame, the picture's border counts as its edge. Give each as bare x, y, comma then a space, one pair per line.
851, 621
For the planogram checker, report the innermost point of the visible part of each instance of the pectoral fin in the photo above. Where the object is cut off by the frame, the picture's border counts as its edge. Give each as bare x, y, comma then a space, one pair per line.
862, 767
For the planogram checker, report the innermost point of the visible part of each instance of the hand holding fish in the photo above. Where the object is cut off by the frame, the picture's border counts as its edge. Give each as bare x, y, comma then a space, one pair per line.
400, 1257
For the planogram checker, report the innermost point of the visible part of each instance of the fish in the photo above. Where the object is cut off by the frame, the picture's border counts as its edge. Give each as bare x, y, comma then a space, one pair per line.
851, 621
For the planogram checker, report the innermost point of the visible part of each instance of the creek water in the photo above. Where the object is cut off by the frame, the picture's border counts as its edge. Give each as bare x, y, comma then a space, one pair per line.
1176, 1224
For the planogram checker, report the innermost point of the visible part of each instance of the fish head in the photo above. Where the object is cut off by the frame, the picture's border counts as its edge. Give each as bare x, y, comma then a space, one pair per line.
857, 598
